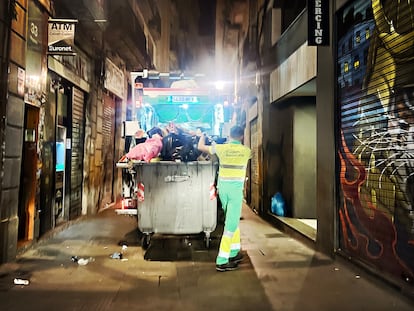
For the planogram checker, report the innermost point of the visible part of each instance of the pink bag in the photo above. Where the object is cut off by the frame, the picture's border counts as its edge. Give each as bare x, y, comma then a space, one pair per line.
147, 150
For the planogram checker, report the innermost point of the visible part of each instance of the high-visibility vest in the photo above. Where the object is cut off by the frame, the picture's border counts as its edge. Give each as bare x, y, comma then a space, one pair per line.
233, 158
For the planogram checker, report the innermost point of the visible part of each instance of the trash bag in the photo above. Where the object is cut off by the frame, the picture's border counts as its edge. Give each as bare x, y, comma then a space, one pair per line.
169, 145
181, 146
278, 205
189, 151
147, 150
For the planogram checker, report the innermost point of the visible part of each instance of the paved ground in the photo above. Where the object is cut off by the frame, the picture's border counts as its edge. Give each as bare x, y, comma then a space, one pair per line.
178, 273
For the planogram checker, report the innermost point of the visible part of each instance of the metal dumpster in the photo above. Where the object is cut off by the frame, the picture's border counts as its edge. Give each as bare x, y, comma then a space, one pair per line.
176, 198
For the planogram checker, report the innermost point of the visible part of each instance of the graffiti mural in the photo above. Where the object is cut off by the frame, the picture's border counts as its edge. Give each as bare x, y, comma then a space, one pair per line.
375, 65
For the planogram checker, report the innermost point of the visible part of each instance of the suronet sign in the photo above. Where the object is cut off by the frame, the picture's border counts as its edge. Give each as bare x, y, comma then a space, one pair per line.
53, 48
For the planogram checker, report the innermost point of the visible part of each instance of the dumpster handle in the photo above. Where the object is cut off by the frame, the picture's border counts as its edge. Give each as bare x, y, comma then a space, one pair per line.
176, 178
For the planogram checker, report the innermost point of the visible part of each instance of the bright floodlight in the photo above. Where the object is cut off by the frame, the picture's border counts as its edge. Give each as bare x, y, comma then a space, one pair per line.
220, 85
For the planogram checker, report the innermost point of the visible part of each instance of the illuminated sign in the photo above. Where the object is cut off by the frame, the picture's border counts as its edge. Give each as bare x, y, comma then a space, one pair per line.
183, 99
169, 96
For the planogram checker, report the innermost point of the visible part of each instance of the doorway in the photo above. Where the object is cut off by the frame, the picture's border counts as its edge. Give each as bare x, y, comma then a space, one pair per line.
108, 150
291, 165
60, 168
27, 210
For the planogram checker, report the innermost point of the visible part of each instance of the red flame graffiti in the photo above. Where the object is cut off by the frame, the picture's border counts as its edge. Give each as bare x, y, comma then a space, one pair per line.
365, 229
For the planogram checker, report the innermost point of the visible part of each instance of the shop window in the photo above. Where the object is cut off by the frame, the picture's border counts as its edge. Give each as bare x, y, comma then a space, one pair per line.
346, 67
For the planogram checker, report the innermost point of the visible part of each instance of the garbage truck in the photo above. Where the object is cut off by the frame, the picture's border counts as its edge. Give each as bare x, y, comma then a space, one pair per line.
171, 189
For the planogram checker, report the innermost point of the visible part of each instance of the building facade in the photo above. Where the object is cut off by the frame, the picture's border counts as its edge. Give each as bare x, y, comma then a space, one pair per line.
62, 114
329, 126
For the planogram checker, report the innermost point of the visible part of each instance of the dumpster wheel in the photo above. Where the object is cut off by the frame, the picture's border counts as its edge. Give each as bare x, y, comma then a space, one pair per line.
145, 241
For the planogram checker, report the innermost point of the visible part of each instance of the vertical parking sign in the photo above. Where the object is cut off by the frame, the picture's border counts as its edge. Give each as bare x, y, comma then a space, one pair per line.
318, 22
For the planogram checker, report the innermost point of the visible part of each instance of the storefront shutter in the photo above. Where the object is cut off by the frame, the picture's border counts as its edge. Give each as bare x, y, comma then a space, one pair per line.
77, 152
108, 133
376, 139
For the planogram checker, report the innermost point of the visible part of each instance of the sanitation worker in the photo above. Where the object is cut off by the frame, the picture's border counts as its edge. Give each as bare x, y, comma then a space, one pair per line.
233, 158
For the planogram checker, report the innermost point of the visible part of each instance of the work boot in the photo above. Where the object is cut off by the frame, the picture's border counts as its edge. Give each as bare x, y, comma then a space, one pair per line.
230, 266
237, 259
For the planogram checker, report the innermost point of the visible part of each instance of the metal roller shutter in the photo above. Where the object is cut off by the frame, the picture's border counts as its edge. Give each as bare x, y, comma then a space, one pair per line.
375, 68
76, 176
108, 133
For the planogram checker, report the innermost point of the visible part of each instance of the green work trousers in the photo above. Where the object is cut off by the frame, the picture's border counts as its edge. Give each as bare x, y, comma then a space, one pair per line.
231, 197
